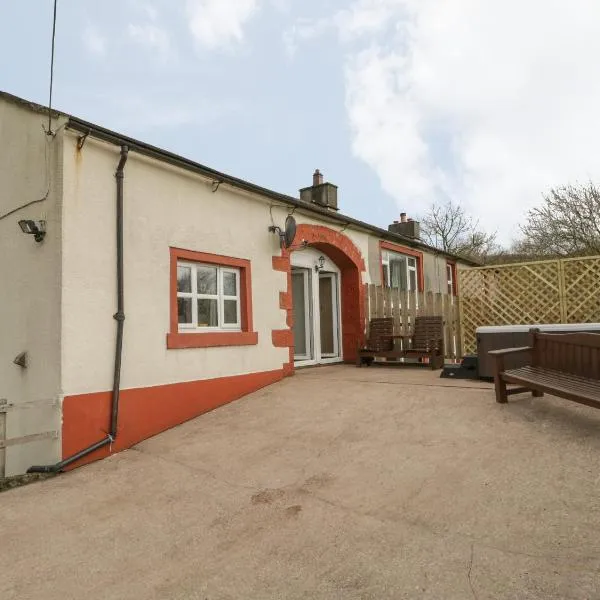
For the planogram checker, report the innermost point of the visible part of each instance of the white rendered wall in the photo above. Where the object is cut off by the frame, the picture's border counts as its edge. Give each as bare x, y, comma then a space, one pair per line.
164, 206
30, 279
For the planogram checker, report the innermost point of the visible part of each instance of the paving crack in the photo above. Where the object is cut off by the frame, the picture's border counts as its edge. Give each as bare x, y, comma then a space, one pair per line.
470, 571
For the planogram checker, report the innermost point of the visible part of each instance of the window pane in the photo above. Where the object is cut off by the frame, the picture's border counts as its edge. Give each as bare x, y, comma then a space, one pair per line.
207, 280
386, 276
208, 315
184, 279
184, 310
230, 312
412, 262
413, 280
398, 272
229, 284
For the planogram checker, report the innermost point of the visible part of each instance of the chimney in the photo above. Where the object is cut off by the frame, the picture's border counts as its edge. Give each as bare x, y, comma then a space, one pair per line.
406, 227
321, 194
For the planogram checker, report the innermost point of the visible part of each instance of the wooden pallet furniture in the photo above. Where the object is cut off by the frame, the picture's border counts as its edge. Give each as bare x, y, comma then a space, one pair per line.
426, 341
562, 364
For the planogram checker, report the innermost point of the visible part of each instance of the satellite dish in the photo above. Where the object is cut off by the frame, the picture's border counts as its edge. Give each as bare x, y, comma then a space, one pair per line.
290, 231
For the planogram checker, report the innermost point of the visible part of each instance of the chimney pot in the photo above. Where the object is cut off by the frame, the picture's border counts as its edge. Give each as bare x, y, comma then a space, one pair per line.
317, 178
403, 217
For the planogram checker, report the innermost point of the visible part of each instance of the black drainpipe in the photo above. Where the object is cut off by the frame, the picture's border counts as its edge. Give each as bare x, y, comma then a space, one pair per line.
119, 316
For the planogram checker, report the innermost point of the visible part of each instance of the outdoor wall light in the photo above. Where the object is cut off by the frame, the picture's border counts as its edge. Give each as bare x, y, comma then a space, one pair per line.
321, 264
34, 228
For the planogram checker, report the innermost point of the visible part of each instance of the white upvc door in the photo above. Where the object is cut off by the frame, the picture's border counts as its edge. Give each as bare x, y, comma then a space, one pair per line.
329, 341
316, 309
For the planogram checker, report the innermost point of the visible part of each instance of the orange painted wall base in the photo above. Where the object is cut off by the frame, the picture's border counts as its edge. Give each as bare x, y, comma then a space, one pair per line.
144, 412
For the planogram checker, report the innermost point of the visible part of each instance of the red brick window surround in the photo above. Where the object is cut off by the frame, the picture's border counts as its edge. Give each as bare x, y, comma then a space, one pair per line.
231, 330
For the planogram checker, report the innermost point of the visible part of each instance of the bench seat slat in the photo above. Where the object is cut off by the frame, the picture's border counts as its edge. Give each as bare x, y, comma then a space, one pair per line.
555, 376
579, 389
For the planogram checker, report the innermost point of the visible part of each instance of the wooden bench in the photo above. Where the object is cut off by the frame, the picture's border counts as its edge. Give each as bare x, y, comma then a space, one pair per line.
426, 341
562, 364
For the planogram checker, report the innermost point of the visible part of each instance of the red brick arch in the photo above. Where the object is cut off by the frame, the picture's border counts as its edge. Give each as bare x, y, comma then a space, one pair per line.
343, 252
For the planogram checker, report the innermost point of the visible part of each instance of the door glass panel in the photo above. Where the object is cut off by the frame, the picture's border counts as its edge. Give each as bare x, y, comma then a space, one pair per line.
326, 310
300, 314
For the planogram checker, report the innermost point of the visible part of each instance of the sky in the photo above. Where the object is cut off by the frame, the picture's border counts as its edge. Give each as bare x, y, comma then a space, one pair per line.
401, 103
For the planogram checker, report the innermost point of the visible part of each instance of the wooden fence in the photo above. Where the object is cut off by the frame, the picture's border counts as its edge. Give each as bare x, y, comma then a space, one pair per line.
405, 306
550, 291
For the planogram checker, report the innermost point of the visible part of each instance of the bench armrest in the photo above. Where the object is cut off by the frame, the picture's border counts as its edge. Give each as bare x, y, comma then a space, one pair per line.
506, 351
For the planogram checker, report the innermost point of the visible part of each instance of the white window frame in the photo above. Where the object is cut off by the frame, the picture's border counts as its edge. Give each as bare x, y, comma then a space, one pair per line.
220, 297
411, 264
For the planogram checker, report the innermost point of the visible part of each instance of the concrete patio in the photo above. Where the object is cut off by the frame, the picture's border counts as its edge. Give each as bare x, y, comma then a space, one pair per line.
338, 483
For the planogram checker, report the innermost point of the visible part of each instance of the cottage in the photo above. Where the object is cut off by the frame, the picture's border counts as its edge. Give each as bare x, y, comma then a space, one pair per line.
141, 289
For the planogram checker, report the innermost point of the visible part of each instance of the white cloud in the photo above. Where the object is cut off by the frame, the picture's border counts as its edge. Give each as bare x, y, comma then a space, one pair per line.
368, 17
218, 23
146, 7
490, 103
151, 12
94, 42
304, 30
151, 36
282, 6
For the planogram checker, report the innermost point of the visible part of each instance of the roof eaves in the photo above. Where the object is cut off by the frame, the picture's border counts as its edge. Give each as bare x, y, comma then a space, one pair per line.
185, 163
164, 155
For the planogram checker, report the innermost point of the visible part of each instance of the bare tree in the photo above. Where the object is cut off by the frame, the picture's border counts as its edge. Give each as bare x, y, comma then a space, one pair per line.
449, 228
567, 223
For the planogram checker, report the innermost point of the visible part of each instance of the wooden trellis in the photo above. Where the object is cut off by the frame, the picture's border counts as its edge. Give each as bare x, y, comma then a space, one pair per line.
551, 291
582, 289
405, 306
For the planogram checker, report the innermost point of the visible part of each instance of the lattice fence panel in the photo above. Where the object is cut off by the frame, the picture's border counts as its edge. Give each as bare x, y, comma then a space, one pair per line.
508, 295
555, 291
582, 290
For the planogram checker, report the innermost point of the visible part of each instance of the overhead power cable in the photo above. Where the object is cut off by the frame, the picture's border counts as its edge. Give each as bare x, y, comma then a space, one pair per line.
50, 132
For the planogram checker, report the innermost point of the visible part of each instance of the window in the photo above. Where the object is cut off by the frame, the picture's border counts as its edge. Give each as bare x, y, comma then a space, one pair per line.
211, 301
208, 297
399, 271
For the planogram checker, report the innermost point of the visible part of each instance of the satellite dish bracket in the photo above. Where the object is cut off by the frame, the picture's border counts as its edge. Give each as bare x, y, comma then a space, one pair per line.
286, 235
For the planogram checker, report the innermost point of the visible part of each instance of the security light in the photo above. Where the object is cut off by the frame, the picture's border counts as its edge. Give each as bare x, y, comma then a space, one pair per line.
35, 228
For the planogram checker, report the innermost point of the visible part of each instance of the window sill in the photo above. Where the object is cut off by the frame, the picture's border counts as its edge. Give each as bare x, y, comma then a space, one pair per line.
209, 340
